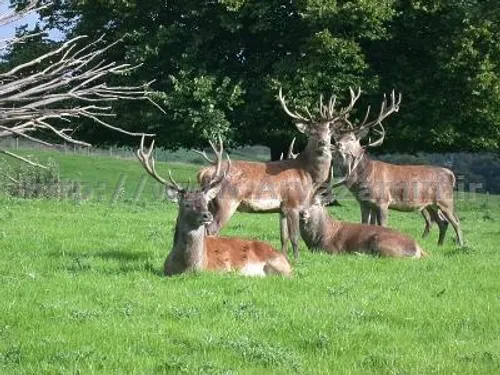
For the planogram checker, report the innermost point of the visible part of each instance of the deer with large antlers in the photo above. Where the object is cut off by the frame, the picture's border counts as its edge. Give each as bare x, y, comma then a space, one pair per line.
281, 186
380, 186
321, 232
192, 249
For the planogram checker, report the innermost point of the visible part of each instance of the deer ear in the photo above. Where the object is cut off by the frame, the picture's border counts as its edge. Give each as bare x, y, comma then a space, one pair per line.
173, 195
212, 192
362, 133
301, 127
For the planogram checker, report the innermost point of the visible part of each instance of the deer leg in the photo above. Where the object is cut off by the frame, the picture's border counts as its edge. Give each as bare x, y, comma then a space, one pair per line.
443, 227
435, 215
365, 213
428, 221
293, 230
453, 219
373, 216
284, 233
382, 215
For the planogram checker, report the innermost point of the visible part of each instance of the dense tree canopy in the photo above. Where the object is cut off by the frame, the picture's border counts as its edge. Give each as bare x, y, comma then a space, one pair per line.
218, 65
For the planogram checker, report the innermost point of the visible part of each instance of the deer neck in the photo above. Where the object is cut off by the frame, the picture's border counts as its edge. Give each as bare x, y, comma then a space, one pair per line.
315, 231
315, 163
189, 246
360, 166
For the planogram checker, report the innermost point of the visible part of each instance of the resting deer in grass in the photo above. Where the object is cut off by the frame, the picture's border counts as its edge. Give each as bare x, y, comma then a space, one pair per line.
321, 232
281, 186
192, 249
380, 186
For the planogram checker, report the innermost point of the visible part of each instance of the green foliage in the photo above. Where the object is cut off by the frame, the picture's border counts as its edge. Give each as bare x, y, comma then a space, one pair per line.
444, 58
198, 105
24, 181
227, 59
230, 57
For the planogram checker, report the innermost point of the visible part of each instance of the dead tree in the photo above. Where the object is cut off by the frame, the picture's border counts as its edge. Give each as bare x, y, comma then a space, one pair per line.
52, 92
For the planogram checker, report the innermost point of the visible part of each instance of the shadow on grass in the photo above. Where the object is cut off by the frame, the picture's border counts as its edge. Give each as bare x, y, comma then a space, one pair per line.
107, 255
115, 262
460, 250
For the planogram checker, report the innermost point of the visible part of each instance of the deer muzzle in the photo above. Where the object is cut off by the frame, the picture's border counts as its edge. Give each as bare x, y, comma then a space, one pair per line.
206, 217
304, 215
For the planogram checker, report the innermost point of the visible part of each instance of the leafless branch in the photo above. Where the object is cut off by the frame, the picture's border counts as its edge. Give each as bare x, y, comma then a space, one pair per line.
16, 156
48, 91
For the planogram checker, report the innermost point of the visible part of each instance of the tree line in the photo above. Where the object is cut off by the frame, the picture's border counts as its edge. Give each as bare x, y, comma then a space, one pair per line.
218, 66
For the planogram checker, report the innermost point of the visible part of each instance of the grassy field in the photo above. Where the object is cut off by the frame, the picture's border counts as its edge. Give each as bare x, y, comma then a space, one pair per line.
82, 292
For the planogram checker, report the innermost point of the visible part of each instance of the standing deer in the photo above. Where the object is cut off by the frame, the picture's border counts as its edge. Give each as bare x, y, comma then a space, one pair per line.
329, 197
280, 186
192, 249
320, 231
380, 186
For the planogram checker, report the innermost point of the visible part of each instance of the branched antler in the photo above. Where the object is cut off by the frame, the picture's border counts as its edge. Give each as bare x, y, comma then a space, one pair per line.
327, 112
148, 162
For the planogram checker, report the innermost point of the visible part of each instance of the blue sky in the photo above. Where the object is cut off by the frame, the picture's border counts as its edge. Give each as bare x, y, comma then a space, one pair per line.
8, 31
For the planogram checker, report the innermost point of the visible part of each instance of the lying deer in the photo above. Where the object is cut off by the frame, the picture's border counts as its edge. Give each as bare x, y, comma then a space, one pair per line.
321, 232
192, 249
380, 186
280, 186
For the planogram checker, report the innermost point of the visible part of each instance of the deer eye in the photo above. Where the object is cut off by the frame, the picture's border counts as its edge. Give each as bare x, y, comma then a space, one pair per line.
187, 204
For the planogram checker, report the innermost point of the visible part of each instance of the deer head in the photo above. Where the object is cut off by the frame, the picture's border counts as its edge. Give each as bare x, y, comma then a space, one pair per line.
193, 205
321, 128
347, 142
320, 198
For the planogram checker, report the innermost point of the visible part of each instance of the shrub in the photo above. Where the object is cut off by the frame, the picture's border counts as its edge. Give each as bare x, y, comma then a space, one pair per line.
24, 181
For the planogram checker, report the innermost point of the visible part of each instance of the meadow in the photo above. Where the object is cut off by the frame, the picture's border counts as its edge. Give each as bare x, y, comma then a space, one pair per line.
82, 291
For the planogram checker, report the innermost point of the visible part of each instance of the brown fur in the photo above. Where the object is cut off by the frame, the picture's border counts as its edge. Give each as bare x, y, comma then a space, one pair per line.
225, 254
192, 250
273, 187
322, 232
380, 186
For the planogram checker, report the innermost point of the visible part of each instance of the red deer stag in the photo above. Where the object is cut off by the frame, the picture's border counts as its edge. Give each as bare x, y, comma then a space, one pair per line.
321, 232
380, 186
328, 198
192, 249
280, 186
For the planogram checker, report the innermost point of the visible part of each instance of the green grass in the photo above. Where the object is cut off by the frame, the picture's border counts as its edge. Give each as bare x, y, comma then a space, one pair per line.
82, 292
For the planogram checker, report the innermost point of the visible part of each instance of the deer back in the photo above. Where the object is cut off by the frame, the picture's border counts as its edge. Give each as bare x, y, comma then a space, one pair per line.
250, 257
272, 182
403, 186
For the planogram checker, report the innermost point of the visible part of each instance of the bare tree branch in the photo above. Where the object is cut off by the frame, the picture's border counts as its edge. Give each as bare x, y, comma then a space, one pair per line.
53, 92
12, 15
11, 154
43, 94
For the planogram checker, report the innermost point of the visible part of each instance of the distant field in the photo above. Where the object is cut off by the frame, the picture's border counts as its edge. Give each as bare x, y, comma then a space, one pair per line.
82, 292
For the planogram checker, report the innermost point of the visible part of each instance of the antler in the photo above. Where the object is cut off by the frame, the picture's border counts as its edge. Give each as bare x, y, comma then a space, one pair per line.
381, 133
217, 177
291, 155
294, 115
326, 111
384, 112
148, 162
330, 184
